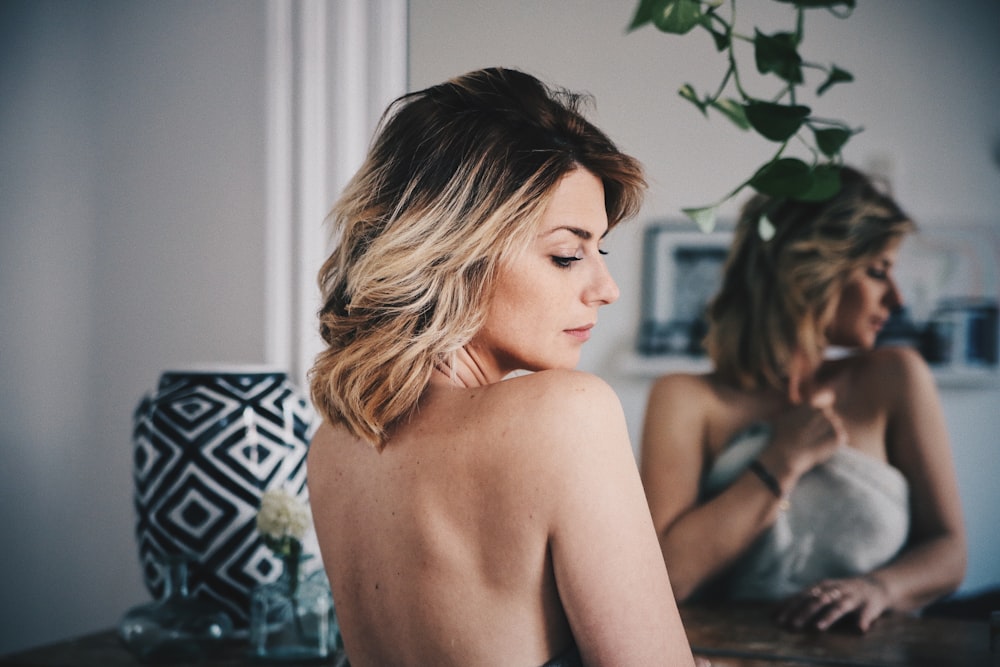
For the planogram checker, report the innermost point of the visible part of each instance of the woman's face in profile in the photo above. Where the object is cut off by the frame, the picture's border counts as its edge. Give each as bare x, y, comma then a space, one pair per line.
546, 300
868, 299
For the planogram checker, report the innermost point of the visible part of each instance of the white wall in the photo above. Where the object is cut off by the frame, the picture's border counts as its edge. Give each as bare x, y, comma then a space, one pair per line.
165, 169
925, 93
131, 240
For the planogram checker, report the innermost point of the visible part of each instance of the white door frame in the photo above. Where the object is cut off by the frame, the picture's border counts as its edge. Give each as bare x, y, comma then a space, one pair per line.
332, 67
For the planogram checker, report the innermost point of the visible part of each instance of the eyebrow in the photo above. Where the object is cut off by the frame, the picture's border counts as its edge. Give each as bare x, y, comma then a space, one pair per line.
576, 231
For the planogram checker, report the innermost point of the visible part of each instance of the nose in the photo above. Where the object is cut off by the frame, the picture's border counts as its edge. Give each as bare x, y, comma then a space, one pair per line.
603, 290
893, 297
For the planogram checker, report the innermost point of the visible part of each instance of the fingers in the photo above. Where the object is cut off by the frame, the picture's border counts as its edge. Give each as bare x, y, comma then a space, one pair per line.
823, 398
869, 613
818, 607
837, 606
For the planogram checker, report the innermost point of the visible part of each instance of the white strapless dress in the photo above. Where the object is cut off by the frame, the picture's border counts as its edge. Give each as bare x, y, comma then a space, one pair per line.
847, 516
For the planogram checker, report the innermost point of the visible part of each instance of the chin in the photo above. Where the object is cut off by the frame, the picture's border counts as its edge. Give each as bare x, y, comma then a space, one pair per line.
568, 364
861, 342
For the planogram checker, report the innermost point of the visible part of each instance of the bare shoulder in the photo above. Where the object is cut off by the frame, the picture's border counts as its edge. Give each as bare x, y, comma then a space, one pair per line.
684, 383
561, 393
684, 393
892, 365
575, 414
898, 357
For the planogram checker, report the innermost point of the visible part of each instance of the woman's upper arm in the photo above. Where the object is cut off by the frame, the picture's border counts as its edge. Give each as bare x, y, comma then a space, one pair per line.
918, 444
672, 453
609, 571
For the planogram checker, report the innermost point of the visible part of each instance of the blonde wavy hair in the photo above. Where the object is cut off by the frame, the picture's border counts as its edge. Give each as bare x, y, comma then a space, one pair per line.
453, 187
779, 294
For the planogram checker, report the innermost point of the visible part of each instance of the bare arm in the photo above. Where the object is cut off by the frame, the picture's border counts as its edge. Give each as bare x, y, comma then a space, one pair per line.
934, 562
609, 571
699, 541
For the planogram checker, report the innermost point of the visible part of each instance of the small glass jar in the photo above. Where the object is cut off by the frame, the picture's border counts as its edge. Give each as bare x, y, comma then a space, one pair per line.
293, 618
178, 626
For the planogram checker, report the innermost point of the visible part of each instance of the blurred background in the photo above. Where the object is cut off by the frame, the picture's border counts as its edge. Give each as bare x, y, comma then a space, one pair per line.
165, 169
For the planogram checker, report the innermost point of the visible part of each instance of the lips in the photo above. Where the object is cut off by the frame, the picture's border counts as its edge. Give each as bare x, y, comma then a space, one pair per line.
581, 333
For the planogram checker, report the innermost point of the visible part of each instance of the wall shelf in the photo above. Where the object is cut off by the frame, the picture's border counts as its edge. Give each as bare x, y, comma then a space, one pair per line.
655, 365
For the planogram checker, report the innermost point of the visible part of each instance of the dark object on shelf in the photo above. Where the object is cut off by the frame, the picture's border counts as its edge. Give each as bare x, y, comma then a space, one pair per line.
962, 332
674, 337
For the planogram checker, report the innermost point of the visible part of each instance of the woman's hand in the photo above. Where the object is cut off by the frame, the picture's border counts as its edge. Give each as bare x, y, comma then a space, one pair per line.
823, 604
806, 434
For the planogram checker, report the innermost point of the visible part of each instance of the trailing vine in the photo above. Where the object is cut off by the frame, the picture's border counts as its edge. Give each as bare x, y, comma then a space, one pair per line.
779, 118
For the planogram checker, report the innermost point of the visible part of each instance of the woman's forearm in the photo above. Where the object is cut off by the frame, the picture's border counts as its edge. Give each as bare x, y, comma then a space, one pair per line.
924, 572
701, 543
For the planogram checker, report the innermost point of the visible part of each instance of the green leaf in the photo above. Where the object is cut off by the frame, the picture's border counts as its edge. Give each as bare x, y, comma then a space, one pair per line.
722, 39
831, 140
814, 4
837, 75
825, 183
733, 110
777, 122
704, 217
687, 92
676, 16
777, 53
787, 177
643, 14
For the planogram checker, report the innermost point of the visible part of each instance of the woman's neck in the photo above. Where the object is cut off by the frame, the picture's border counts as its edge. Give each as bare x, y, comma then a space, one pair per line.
465, 369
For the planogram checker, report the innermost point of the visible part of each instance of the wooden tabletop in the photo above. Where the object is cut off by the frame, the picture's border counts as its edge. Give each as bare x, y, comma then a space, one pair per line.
105, 649
745, 635
731, 635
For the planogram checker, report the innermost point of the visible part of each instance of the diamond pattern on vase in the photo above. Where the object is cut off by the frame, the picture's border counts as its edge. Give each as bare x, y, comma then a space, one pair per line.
206, 445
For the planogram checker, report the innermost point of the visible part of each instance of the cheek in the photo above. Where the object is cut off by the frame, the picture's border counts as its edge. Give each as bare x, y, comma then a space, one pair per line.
851, 303
514, 305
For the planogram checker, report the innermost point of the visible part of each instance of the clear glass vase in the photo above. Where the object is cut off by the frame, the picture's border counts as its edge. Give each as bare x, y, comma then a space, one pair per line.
293, 618
177, 627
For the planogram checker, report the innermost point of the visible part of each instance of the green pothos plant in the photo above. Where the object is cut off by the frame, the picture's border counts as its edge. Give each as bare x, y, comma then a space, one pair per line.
778, 117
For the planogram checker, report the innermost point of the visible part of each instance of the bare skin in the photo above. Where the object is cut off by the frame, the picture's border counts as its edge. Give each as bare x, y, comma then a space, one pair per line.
505, 519
882, 402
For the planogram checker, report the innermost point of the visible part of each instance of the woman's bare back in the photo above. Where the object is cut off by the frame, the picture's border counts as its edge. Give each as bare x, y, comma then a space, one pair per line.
441, 539
500, 525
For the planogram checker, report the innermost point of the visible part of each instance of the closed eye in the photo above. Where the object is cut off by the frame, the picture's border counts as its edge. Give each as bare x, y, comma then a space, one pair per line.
878, 274
564, 262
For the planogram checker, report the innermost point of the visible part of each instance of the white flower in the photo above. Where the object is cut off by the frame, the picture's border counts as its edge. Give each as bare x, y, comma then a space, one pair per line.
282, 516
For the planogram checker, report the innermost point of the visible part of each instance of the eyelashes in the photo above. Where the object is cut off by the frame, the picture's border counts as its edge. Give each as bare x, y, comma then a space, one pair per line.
565, 262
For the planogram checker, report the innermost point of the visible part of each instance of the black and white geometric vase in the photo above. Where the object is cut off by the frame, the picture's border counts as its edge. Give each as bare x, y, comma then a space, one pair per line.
206, 445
